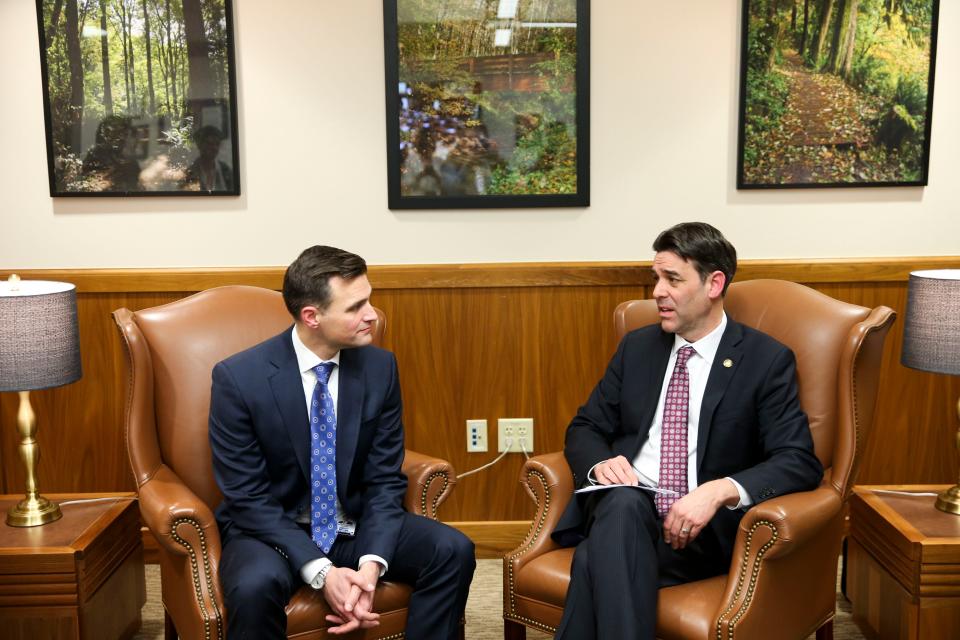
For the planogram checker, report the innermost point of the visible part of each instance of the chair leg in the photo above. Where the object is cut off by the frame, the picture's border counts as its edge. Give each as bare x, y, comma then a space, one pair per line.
826, 631
169, 631
514, 630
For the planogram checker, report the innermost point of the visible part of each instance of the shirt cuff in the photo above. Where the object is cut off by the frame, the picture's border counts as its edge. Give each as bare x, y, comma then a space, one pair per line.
310, 570
373, 558
745, 499
591, 478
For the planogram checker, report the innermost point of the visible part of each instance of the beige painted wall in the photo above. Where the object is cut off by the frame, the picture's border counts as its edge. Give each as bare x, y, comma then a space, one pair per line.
311, 107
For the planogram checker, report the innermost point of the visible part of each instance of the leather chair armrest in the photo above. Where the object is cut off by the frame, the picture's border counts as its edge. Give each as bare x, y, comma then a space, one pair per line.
429, 482
166, 505
549, 482
796, 518
189, 544
786, 552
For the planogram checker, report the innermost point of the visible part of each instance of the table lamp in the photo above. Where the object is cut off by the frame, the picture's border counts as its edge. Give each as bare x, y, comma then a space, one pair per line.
931, 339
39, 349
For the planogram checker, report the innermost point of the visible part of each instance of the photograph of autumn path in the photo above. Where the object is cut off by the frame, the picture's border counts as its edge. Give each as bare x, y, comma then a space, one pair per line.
139, 97
485, 103
836, 92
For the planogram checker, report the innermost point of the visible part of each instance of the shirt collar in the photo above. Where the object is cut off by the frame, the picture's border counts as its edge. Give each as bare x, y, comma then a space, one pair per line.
707, 346
307, 359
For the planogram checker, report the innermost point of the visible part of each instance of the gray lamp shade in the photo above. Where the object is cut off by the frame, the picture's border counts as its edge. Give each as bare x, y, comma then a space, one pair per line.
39, 338
931, 336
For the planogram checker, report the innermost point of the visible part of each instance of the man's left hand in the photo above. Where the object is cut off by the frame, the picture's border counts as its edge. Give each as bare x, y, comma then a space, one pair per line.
691, 513
361, 600
357, 608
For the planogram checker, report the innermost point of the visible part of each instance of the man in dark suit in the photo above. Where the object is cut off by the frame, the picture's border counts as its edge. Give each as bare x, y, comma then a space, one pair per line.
307, 438
700, 411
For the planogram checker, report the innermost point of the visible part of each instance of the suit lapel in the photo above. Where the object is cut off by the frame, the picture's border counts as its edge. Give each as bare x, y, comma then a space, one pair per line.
721, 374
287, 386
653, 379
349, 406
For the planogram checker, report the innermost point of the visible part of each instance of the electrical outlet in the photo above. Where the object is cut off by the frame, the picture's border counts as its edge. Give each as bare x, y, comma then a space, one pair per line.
476, 435
517, 430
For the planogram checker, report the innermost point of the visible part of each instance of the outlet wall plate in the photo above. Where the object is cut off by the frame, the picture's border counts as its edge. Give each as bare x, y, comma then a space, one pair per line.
476, 436
517, 432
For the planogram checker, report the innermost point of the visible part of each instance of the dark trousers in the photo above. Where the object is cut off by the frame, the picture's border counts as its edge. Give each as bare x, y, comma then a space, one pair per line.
436, 560
621, 564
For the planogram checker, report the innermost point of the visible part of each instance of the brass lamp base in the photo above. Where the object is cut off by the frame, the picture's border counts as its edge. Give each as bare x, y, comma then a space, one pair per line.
949, 500
33, 511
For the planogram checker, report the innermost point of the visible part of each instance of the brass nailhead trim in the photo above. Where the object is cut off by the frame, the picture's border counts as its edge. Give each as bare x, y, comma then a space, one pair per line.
744, 562
436, 499
536, 528
857, 431
196, 574
530, 623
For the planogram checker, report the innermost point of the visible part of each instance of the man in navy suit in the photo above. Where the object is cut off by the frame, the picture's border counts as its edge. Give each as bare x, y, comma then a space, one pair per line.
270, 409
700, 410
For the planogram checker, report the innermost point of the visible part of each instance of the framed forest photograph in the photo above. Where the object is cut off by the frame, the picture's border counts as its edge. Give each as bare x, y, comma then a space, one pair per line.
139, 97
836, 93
487, 103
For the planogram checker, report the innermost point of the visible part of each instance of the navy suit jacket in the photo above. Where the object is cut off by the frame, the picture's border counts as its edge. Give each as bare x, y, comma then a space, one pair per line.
751, 426
260, 438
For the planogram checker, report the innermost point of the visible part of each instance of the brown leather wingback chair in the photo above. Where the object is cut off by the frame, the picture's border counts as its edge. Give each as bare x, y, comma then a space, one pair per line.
782, 579
172, 350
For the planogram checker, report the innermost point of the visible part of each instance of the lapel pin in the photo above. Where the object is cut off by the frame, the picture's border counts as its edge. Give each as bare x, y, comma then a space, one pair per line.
728, 363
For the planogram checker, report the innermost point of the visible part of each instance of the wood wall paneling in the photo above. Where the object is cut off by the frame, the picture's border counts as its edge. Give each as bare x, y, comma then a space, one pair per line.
475, 341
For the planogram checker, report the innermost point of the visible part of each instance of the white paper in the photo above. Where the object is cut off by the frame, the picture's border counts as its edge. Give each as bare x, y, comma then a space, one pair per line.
600, 487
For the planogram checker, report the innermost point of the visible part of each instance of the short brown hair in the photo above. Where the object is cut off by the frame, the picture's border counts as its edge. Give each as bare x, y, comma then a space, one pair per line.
704, 246
307, 280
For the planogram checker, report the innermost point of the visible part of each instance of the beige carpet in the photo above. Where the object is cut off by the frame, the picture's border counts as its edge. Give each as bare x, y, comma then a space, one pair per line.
484, 608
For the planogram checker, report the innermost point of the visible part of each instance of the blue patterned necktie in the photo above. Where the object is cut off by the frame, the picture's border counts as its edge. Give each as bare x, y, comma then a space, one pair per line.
323, 460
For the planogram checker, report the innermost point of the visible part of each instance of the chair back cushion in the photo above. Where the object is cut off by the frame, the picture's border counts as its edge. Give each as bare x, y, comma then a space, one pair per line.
815, 326
186, 339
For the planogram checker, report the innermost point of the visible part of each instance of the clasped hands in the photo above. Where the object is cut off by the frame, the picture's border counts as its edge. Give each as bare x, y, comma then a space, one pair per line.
350, 594
689, 514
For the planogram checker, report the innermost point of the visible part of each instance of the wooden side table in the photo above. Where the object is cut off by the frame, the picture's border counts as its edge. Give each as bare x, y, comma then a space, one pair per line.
80, 577
904, 564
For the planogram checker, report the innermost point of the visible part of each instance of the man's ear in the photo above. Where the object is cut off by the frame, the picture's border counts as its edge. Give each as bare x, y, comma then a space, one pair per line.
310, 316
717, 280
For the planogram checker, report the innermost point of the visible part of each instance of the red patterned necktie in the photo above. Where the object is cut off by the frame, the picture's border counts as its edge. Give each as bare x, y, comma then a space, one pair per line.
673, 434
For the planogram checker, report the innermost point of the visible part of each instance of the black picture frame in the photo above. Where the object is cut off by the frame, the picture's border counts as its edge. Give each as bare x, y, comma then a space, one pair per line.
510, 139
874, 75
168, 125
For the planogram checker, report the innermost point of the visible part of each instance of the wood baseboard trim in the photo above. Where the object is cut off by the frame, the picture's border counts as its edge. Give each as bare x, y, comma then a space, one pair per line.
495, 538
489, 275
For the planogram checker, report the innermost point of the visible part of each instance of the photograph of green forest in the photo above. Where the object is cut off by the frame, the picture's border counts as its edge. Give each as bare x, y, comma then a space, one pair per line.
486, 100
836, 92
139, 97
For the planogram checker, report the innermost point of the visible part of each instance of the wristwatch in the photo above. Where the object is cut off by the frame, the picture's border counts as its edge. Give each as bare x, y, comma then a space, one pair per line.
321, 578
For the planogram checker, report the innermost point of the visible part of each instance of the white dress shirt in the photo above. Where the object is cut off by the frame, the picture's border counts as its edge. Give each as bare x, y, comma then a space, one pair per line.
647, 462
307, 360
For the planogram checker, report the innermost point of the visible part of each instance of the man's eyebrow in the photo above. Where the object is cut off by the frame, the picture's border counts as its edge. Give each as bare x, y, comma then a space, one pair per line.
669, 272
356, 305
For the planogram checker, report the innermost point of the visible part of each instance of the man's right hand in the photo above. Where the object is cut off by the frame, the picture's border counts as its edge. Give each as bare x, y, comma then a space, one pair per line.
615, 471
341, 588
